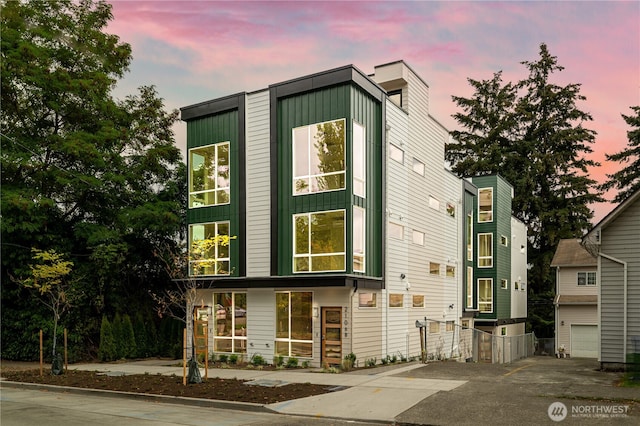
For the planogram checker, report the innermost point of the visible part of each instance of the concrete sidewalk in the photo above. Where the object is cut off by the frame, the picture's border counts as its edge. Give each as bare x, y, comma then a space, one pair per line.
378, 395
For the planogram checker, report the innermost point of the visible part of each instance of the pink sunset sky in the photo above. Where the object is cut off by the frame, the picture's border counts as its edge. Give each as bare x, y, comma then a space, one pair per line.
201, 50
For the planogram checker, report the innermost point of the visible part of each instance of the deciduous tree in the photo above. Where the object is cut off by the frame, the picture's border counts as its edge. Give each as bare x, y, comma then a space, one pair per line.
83, 172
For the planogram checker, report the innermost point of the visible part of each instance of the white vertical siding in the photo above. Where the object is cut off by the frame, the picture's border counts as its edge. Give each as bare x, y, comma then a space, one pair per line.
258, 178
518, 268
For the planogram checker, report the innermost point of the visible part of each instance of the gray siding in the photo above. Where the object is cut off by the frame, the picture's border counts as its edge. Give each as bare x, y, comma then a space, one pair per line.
258, 193
620, 240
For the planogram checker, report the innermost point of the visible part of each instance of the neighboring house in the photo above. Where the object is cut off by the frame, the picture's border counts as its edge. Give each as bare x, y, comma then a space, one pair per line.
498, 271
615, 241
348, 228
576, 301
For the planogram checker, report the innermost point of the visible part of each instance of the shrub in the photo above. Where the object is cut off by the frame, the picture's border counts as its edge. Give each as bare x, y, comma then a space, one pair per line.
107, 349
349, 361
257, 360
370, 362
223, 358
306, 364
278, 360
128, 343
292, 362
233, 359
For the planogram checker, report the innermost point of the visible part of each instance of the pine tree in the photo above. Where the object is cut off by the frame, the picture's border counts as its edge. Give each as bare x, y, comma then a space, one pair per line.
532, 134
627, 180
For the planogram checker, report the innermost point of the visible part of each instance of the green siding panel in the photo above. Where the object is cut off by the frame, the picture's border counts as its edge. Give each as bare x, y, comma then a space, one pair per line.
210, 130
501, 225
345, 101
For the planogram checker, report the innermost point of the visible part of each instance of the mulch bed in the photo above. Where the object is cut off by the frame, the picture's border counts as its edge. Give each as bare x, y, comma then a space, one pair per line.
212, 388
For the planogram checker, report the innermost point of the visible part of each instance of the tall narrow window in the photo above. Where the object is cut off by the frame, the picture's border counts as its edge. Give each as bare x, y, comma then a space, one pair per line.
469, 287
208, 255
485, 295
209, 182
230, 332
358, 239
294, 324
359, 160
485, 205
319, 241
319, 157
470, 236
485, 250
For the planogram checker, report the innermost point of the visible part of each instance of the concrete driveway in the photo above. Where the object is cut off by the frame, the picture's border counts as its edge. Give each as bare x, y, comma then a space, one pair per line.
522, 392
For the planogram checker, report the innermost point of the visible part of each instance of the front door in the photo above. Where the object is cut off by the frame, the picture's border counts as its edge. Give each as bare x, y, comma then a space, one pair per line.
200, 334
331, 336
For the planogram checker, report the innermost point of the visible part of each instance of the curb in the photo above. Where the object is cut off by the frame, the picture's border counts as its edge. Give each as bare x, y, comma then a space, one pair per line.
198, 402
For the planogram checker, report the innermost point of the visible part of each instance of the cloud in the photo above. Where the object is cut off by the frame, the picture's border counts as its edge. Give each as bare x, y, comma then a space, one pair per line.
201, 50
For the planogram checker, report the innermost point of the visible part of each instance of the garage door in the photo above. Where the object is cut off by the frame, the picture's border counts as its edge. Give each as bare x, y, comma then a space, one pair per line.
584, 341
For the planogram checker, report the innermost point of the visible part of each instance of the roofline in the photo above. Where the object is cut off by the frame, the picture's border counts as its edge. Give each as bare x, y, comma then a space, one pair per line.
617, 211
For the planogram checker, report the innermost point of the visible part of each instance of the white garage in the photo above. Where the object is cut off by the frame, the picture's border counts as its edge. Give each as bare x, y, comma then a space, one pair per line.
584, 341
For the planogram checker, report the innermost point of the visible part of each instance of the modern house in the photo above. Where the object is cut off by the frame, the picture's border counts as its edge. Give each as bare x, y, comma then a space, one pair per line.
576, 301
615, 243
346, 226
498, 271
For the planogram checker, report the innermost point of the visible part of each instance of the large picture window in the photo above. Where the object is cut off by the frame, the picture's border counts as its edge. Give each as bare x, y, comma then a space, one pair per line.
485, 294
294, 324
485, 250
359, 160
485, 205
358, 239
230, 331
206, 255
319, 157
319, 241
209, 175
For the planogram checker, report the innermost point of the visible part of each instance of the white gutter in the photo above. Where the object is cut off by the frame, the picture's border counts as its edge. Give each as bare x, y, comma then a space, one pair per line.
624, 294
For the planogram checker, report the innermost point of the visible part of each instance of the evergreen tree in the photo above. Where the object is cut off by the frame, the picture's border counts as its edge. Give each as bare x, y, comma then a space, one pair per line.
118, 334
140, 336
532, 134
627, 180
107, 349
128, 339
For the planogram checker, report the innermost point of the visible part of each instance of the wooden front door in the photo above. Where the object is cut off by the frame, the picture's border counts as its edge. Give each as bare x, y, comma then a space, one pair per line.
331, 336
200, 331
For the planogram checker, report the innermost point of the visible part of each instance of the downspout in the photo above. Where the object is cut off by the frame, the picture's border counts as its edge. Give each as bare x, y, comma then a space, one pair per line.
556, 306
624, 295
